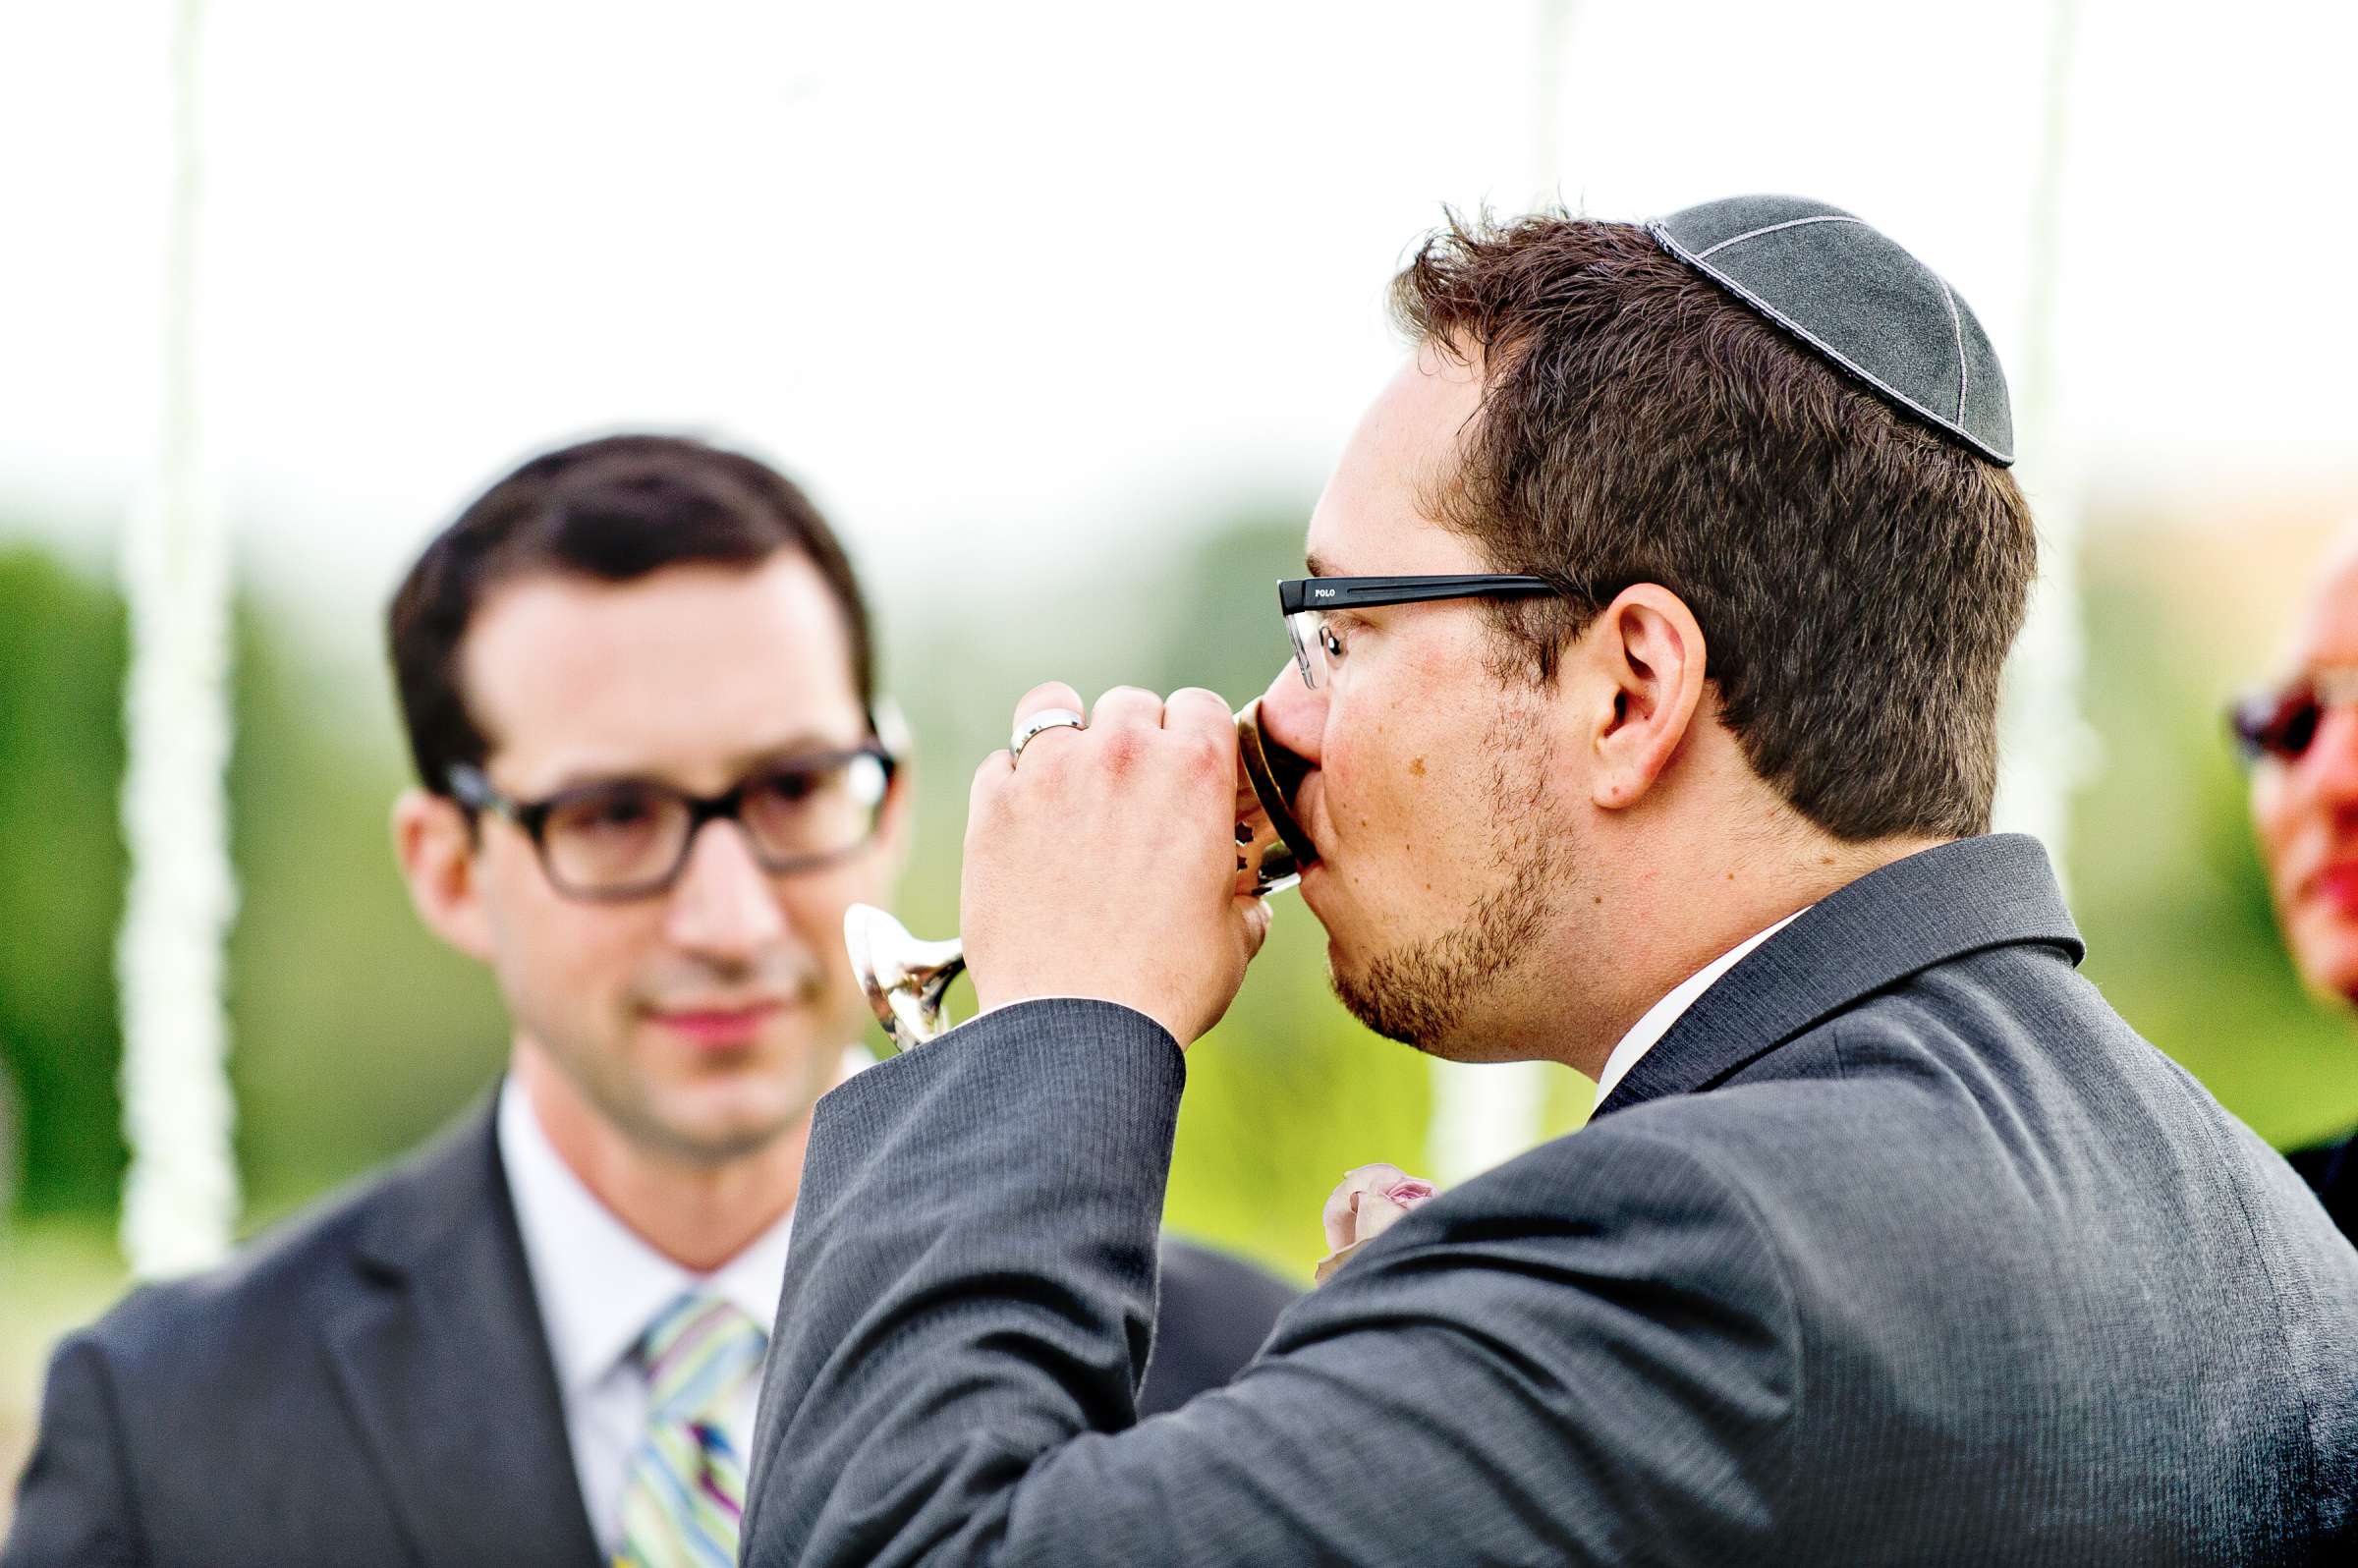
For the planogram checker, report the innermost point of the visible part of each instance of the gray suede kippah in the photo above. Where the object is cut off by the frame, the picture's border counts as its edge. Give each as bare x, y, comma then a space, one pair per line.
1855, 299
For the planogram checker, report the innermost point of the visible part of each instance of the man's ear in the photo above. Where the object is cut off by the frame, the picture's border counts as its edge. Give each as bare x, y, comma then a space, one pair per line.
435, 845
1647, 648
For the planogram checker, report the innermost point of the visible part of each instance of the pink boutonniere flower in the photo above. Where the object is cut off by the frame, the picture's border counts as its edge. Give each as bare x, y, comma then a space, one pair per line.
1366, 1203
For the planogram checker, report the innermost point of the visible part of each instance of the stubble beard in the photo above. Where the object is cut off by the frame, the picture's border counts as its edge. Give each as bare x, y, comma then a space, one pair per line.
1419, 993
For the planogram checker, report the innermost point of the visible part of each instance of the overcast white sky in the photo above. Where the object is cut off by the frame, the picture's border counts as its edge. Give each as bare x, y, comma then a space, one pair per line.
997, 279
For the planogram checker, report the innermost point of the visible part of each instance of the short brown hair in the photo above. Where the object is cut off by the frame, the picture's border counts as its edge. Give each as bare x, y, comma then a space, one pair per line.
612, 509
1858, 577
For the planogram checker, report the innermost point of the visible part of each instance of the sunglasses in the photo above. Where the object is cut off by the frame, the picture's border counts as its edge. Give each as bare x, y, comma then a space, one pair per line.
2281, 723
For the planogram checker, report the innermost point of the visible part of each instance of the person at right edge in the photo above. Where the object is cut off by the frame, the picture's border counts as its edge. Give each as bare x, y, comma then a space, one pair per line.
2300, 739
1888, 1242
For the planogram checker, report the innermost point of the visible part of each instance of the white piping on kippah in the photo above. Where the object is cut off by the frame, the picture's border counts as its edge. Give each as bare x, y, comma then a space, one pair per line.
1789, 223
1669, 241
1958, 325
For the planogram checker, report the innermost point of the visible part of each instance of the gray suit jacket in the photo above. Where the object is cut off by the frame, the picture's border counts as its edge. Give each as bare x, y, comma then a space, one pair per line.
1900, 1247
371, 1388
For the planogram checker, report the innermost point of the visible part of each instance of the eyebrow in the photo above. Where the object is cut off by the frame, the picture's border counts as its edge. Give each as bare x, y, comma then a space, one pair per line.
740, 764
1319, 566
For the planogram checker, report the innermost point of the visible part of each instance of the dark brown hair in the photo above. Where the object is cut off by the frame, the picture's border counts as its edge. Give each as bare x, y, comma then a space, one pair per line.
1858, 577
613, 509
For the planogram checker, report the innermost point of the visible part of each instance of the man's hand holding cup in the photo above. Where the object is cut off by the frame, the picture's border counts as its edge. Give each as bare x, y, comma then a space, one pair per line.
1102, 861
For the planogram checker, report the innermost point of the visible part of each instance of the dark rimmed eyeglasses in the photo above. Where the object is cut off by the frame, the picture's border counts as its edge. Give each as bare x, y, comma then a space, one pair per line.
1306, 602
627, 838
2281, 722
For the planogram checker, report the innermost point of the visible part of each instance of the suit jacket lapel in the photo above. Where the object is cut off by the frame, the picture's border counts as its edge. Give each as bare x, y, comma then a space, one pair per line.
1933, 905
443, 1358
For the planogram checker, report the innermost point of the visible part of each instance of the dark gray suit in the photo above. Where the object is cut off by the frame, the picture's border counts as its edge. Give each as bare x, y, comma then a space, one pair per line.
372, 1387
1900, 1247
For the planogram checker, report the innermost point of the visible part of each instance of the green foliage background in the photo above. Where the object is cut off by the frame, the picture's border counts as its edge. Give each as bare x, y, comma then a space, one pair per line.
62, 642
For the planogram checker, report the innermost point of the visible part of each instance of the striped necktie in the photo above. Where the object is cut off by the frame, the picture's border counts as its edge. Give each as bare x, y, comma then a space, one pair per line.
685, 1490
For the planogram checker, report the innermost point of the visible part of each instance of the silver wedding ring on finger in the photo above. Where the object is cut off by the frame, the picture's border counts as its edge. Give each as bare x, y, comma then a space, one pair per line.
1048, 719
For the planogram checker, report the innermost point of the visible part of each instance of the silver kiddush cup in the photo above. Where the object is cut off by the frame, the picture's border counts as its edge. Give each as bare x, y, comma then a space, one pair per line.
907, 980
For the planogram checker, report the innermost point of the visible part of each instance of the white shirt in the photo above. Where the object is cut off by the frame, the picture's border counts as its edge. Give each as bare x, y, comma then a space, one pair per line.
1648, 1031
600, 1287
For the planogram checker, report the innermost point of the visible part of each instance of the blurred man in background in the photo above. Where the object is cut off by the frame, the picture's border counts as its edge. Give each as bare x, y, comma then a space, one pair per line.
2301, 739
640, 690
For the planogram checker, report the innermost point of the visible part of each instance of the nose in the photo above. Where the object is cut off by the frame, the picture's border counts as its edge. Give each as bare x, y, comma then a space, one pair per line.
723, 906
1293, 715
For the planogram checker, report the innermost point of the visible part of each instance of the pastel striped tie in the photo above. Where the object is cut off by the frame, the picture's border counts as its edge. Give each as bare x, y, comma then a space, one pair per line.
685, 1490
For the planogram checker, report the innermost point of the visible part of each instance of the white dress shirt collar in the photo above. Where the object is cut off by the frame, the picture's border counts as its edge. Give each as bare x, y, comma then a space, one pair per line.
598, 1285
1648, 1031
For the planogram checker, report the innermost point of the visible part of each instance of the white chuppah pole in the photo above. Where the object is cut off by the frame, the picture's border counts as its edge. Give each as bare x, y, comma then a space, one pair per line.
2048, 748
179, 1197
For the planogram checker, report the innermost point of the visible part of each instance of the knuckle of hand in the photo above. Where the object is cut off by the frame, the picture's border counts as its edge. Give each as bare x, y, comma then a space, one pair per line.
1123, 751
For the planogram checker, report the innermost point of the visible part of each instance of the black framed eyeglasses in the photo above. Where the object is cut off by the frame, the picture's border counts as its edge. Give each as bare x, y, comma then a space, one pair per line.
1306, 601
2281, 722
628, 838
